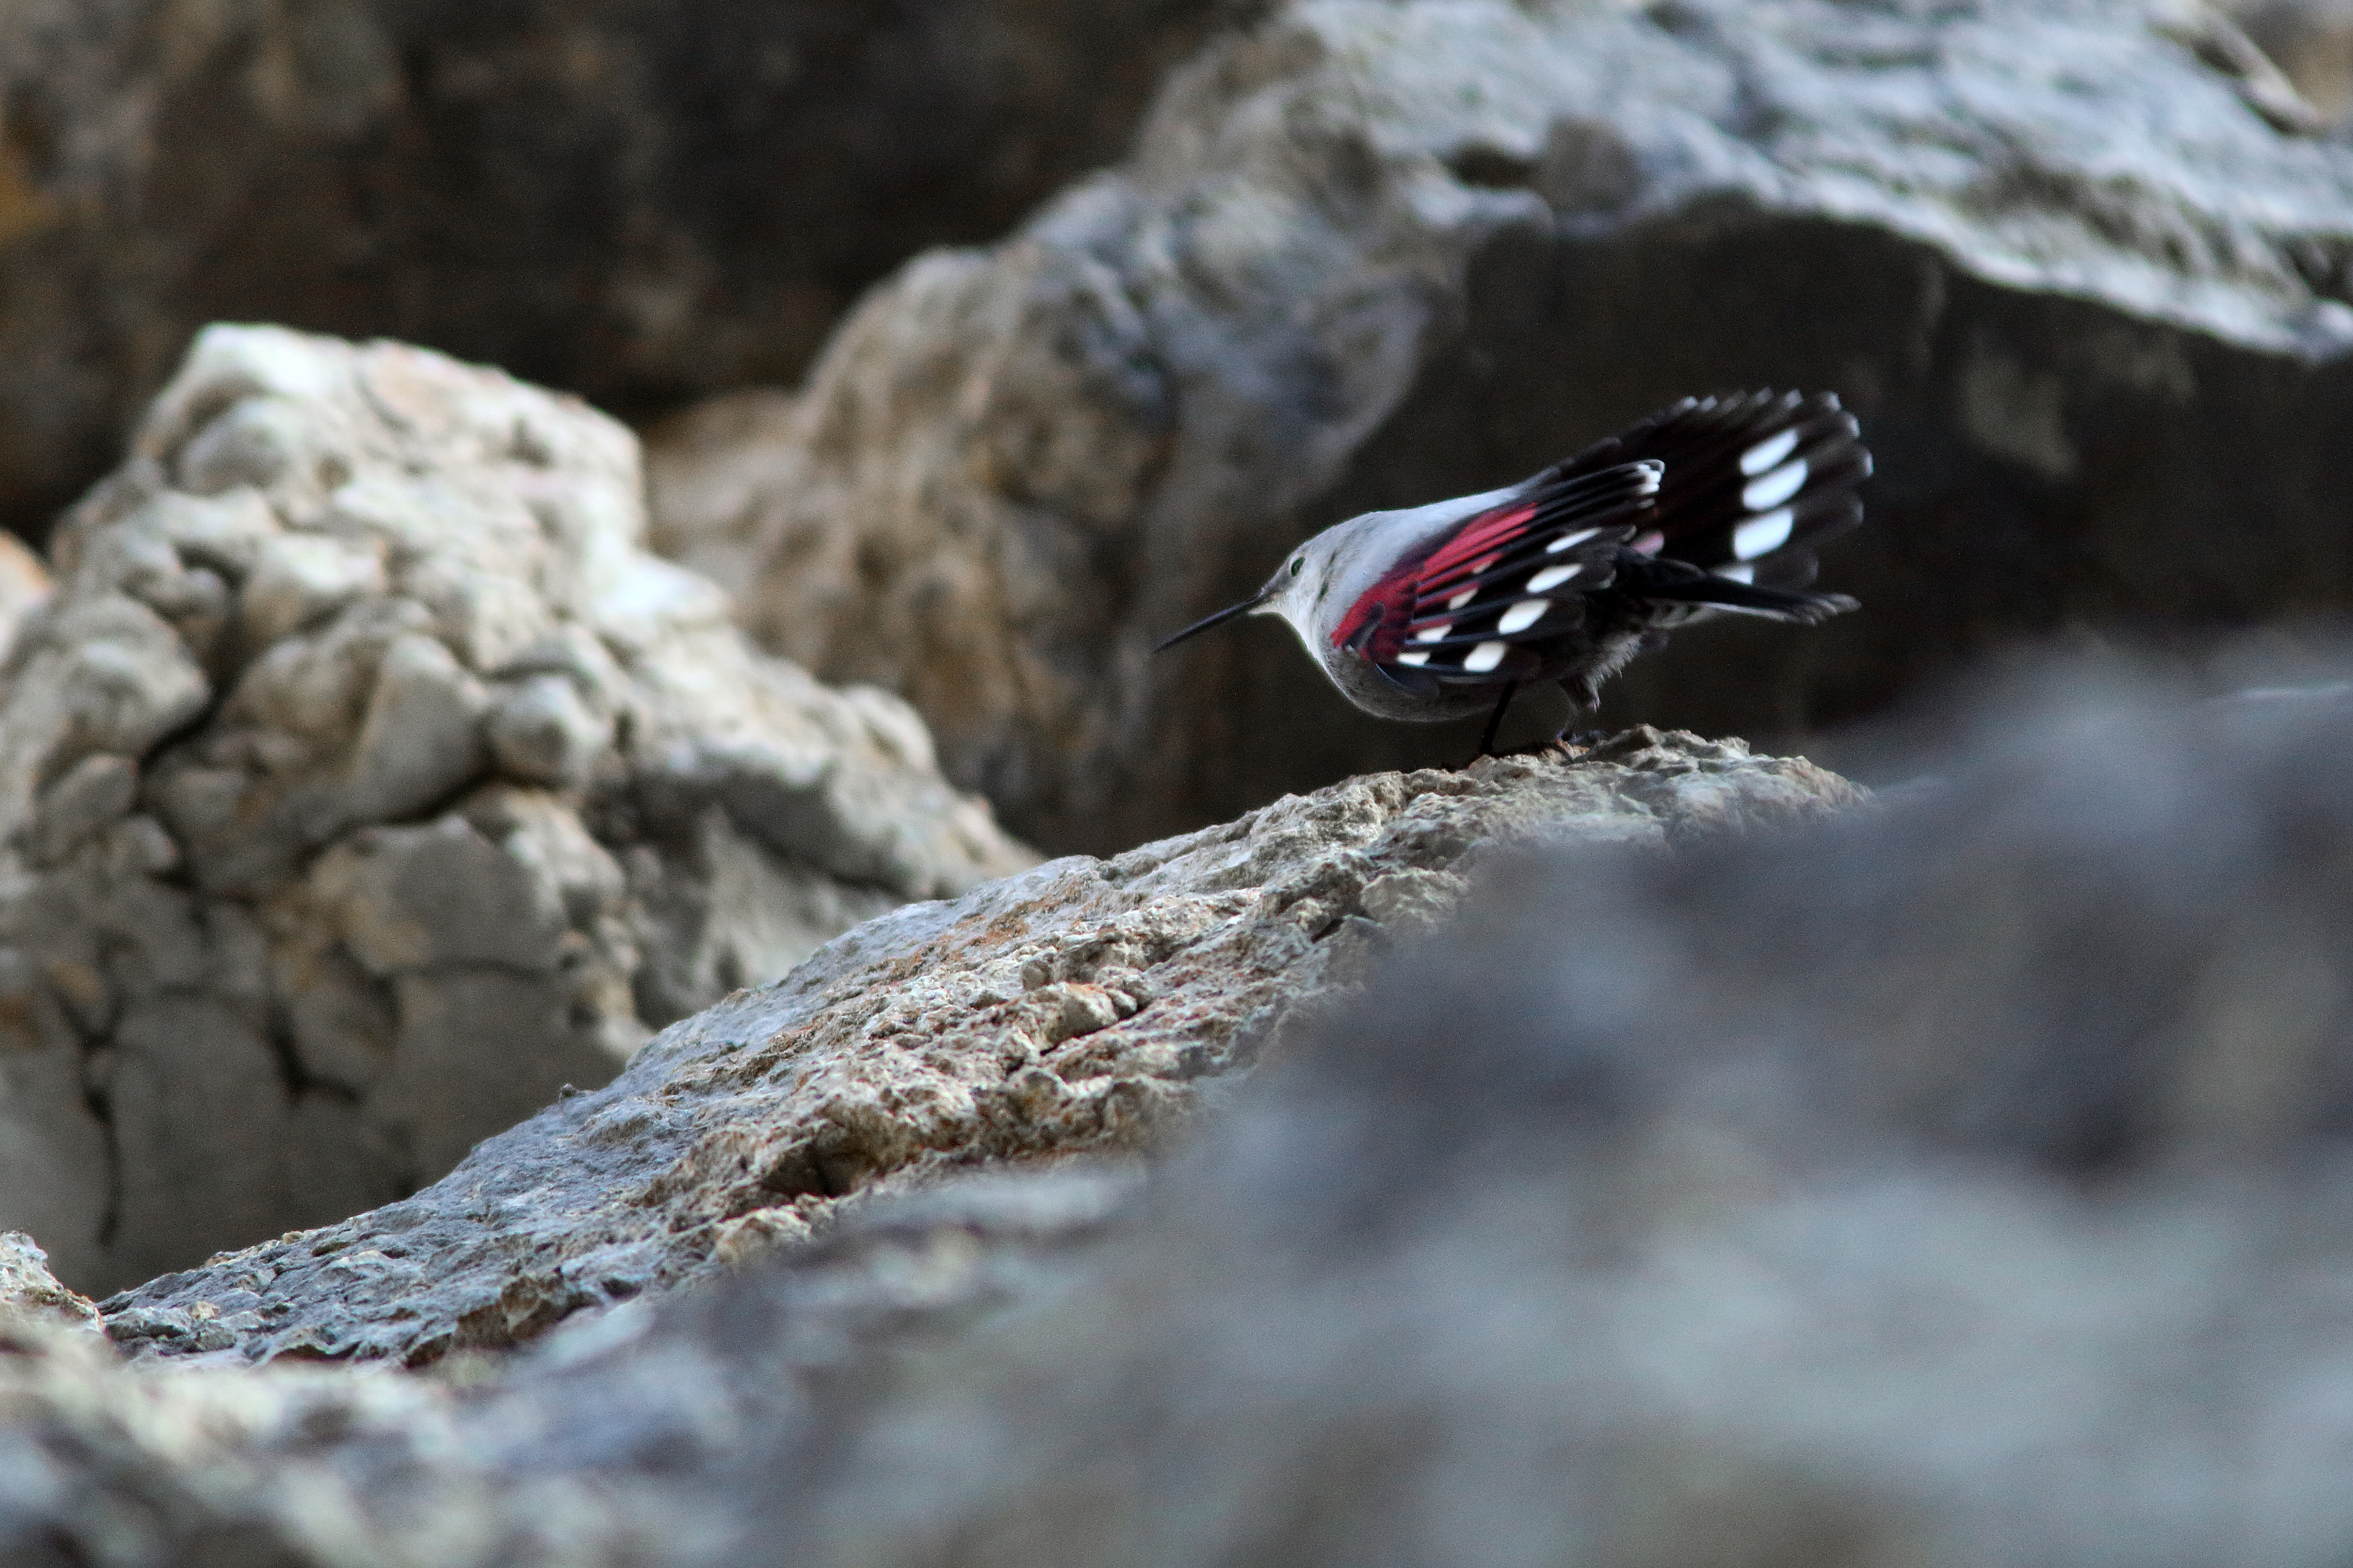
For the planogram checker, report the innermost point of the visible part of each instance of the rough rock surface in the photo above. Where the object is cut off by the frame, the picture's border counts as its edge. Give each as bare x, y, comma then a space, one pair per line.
2076, 263
1079, 1008
24, 584
1963, 1182
29, 1291
363, 782
632, 199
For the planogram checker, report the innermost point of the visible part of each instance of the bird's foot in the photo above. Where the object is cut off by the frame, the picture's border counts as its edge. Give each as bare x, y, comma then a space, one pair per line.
1564, 744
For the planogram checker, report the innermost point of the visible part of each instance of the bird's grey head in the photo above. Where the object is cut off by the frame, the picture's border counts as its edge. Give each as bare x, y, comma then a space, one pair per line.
1321, 578
1316, 580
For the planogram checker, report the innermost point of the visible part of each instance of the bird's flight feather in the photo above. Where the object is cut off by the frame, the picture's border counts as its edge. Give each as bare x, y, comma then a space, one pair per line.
1714, 505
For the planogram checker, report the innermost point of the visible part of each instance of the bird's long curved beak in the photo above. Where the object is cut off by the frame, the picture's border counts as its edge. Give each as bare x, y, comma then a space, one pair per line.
1206, 622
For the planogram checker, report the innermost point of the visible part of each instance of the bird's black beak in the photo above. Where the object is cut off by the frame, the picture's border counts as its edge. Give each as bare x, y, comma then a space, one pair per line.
1220, 618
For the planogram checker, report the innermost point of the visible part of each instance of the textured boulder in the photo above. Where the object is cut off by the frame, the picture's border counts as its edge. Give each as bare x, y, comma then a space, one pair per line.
1960, 1182
363, 783
1078, 1009
2076, 263
24, 582
29, 1293
631, 199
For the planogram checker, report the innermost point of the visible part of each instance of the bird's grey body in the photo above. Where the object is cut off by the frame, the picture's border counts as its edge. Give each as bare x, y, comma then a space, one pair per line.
1337, 568
1443, 611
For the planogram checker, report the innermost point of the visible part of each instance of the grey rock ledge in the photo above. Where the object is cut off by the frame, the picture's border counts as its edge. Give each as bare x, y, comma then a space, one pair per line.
1081, 1008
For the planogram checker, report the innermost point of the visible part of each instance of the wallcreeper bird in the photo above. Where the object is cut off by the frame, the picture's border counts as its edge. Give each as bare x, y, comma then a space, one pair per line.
1711, 506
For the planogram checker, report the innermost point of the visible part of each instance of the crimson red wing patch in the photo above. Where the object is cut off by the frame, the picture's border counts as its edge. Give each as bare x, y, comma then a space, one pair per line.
1715, 502
1438, 612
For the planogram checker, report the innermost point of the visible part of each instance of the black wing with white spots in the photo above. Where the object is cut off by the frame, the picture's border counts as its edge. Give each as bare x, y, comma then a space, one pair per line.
1510, 567
1754, 482
1712, 504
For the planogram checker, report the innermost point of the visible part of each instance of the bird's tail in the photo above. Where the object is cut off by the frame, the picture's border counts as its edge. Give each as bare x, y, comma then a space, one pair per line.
1672, 582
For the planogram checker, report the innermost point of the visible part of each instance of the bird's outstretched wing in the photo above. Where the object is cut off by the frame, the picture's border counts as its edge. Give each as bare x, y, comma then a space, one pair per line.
1463, 609
1754, 481
1712, 502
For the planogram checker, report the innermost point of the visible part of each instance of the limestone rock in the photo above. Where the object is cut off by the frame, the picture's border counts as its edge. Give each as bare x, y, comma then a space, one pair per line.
24, 584
363, 783
2076, 264
634, 202
28, 1291
1962, 1181
1078, 1009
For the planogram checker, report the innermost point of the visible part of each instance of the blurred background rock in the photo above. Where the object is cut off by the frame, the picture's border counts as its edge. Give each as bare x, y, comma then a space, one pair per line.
2311, 41
2079, 266
630, 199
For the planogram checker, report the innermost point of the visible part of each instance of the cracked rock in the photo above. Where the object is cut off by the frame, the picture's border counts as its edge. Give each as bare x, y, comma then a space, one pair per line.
362, 782
2077, 264
28, 1291
1079, 1009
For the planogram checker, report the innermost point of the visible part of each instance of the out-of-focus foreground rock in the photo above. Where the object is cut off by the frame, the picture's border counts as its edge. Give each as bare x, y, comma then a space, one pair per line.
363, 782
632, 199
1962, 1181
1079, 1009
2079, 265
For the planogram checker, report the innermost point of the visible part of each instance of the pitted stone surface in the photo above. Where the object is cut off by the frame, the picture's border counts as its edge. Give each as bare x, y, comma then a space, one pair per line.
1078, 1008
362, 782
29, 1291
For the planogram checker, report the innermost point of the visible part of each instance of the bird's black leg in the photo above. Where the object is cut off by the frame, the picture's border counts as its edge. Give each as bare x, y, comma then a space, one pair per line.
1584, 700
1494, 721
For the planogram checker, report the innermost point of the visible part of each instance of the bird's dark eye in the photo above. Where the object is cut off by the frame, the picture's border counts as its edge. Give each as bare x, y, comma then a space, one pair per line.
1296, 565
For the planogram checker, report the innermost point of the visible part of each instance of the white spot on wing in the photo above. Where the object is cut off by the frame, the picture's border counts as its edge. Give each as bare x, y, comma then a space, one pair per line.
1413, 659
1432, 634
1744, 573
1762, 536
1565, 540
1767, 452
1486, 656
1764, 494
1522, 616
1552, 577
1461, 598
